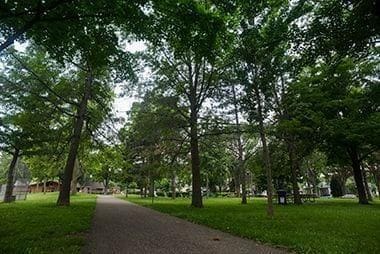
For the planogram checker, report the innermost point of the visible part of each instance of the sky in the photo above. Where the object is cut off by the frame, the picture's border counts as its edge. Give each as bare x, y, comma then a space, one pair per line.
124, 104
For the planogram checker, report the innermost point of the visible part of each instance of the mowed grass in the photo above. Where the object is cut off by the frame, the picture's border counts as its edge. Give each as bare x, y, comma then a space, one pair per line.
326, 226
37, 225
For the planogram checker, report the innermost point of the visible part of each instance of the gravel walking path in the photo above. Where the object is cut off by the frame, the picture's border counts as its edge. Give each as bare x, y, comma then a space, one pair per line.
122, 227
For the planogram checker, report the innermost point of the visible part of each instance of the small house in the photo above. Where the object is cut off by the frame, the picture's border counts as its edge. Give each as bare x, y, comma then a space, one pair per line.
93, 188
51, 186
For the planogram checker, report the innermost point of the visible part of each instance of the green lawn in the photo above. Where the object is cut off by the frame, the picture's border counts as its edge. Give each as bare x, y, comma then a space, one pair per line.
37, 225
326, 226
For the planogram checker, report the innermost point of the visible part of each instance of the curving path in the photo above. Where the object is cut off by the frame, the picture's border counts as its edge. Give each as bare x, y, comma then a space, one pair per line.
122, 227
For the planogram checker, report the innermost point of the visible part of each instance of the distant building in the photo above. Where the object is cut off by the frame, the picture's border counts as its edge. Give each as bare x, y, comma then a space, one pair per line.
93, 188
20, 190
51, 186
21, 180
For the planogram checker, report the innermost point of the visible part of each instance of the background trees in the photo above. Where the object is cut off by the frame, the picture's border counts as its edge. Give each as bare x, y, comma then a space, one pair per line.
217, 76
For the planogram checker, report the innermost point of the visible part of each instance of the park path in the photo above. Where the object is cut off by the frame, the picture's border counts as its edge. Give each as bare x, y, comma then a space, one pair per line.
122, 227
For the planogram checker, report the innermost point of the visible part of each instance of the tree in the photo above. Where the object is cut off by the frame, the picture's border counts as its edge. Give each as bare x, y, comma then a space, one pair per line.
187, 56
58, 24
338, 99
155, 153
28, 125
336, 187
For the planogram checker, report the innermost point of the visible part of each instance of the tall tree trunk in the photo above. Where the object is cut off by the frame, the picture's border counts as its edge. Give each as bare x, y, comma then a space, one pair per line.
367, 189
151, 186
376, 175
145, 189
126, 189
74, 181
173, 184
267, 163
343, 185
243, 186
358, 176
196, 197
241, 167
37, 186
294, 167
64, 194
237, 183
378, 185
105, 186
44, 186
10, 177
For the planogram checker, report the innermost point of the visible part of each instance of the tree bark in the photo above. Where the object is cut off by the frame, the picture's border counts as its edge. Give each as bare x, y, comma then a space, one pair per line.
243, 186
173, 184
145, 189
10, 177
267, 163
64, 194
196, 197
378, 185
44, 186
294, 167
241, 167
237, 184
376, 175
106, 185
151, 187
367, 189
74, 181
358, 176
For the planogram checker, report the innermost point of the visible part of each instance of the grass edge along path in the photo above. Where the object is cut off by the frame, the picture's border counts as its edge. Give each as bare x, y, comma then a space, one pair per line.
326, 226
37, 225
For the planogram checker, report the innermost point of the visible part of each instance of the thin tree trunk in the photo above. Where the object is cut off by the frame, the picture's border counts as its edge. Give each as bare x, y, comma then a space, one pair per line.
106, 186
343, 186
145, 189
44, 186
37, 186
378, 186
237, 184
74, 181
267, 163
243, 186
241, 167
64, 194
376, 176
126, 189
196, 197
173, 184
358, 176
141, 191
151, 187
10, 177
207, 186
368, 191
294, 167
